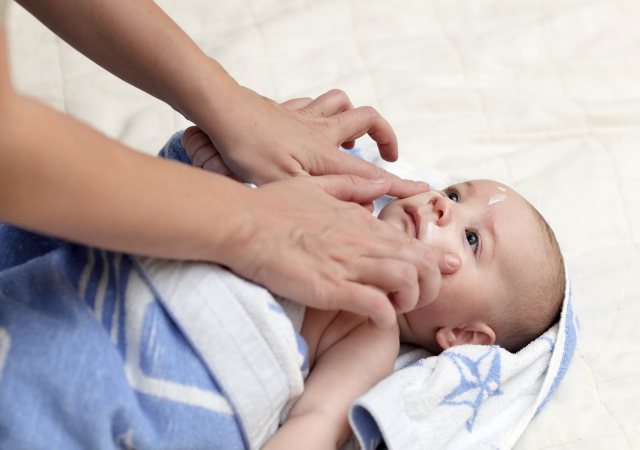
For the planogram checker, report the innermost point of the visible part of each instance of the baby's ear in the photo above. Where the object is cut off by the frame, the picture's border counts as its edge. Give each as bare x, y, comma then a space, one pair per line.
477, 333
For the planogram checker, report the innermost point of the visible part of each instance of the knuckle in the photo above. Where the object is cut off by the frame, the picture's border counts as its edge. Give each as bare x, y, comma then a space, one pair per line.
376, 302
361, 213
380, 172
317, 292
216, 165
370, 110
409, 274
324, 123
428, 260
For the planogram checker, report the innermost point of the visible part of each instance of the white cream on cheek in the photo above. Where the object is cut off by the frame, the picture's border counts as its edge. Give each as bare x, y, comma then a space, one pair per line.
496, 198
502, 189
430, 231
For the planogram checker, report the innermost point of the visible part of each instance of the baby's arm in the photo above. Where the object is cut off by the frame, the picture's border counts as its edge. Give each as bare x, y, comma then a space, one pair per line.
345, 371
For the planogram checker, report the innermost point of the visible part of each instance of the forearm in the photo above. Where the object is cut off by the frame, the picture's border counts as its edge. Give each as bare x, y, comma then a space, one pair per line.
310, 431
138, 42
61, 178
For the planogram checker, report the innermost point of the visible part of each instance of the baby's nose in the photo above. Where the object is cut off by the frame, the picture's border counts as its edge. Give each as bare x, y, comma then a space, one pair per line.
443, 208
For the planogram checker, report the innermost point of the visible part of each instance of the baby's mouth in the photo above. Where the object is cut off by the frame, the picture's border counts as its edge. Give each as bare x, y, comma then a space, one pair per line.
414, 222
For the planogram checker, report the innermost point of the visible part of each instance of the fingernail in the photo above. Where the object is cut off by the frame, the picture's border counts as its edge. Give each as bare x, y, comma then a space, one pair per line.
379, 181
422, 184
452, 260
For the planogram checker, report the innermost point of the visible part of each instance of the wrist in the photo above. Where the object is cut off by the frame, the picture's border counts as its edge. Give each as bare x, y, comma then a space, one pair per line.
207, 96
235, 228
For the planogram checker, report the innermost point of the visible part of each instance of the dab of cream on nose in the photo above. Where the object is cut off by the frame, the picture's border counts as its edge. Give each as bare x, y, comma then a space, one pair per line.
496, 198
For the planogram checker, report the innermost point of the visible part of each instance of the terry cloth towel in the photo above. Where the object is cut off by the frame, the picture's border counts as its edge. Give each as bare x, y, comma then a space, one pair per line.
468, 397
106, 351
102, 350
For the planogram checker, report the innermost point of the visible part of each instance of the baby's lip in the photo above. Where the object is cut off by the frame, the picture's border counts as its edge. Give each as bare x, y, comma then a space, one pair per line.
414, 221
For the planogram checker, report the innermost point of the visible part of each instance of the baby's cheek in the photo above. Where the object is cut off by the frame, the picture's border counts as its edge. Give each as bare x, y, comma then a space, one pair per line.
453, 287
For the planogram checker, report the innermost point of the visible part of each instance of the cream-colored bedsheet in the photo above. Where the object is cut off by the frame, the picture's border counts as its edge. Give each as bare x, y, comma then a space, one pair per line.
541, 95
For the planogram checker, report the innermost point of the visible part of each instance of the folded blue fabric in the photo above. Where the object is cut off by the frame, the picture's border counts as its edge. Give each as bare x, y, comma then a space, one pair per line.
103, 350
100, 350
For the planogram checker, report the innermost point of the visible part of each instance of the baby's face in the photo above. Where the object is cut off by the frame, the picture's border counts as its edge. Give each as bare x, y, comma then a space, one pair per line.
491, 228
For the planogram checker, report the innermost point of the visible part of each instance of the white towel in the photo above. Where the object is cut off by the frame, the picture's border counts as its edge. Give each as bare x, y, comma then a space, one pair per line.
470, 396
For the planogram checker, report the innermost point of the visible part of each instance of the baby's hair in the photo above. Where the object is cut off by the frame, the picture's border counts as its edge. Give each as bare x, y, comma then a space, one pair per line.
539, 301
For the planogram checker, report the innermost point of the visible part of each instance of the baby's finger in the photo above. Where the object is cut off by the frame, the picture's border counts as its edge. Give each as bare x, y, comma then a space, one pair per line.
217, 165
195, 142
187, 135
398, 279
202, 155
333, 102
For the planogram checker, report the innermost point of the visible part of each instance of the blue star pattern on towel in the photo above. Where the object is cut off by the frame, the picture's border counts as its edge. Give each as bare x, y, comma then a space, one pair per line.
479, 379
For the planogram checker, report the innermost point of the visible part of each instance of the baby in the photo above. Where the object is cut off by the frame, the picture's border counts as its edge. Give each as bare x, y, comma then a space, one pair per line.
508, 291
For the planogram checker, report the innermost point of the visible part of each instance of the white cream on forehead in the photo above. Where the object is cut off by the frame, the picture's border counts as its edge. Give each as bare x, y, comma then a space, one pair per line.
496, 198
502, 189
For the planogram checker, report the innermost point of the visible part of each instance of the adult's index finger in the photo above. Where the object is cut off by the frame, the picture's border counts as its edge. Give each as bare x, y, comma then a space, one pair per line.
345, 163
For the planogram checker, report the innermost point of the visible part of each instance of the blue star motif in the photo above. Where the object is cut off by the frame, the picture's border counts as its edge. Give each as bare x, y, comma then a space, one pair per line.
475, 386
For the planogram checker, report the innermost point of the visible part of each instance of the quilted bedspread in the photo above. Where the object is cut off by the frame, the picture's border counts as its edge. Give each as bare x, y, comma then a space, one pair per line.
541, 95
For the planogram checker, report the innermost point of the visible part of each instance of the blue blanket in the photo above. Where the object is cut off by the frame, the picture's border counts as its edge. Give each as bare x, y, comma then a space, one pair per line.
101, 350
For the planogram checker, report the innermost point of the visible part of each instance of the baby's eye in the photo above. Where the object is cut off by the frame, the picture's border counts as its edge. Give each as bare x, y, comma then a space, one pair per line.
453, 196
472, 239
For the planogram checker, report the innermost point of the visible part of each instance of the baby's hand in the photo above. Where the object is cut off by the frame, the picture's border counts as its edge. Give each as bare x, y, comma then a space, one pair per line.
203, 153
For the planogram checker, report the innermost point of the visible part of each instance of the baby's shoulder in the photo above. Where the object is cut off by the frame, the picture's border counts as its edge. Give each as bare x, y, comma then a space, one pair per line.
322, 330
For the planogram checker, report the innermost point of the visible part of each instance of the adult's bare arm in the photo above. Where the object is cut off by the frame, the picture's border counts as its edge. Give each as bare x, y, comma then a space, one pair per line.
295, 236
258, 139
62, 178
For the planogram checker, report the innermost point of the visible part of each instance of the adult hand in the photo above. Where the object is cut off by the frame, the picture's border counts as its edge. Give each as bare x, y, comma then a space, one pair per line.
307, 239
262, 141
202, 153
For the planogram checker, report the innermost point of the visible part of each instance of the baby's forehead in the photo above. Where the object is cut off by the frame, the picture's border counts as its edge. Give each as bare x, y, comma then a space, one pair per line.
485, 186
492, 198
515, 224
522, 243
